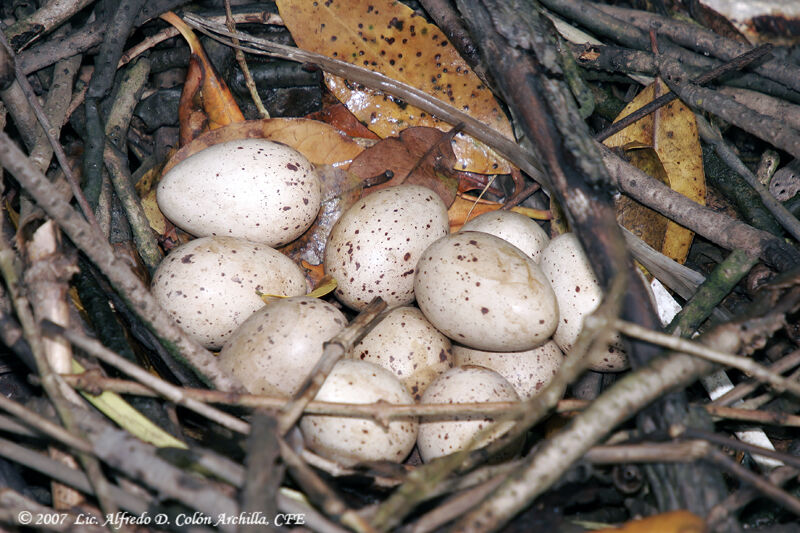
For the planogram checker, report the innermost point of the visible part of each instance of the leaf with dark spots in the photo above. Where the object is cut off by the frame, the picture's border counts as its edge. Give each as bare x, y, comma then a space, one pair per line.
388, 37
417, 157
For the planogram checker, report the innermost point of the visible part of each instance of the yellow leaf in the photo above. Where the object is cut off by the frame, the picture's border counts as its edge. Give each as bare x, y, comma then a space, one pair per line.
672, 132
326, 285
457, 213
388, 37
117, 409
671, 522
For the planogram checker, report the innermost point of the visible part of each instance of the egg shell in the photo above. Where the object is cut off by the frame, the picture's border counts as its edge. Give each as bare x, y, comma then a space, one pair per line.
374, 247
351, 440
485, 293
439, 436
579, 294
406, 344
252, 189
275, 349
513, 227
528, 371
209, 285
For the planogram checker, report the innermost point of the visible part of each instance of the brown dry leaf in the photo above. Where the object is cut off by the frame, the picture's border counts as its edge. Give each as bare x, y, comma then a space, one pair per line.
464, 205
420, 156
672, 132
388, 37
338, 116
671, 522
642, 221
206, 102
321, 143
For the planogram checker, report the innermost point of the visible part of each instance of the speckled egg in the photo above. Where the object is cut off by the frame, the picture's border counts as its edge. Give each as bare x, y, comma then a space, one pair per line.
276, 348
210, 285
579, 294
351, 440
527, 371
485, 293
252, 189
374, 247
515, 228
439, 436
406, 344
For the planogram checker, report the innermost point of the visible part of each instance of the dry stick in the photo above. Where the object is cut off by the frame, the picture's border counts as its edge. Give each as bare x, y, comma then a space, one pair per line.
745, 388
116, 270
744, 364
52, 136
43, 425
248, 78
770, 490
333, 350
167, 390
320, 493
737, 63
50, 15
706, 42
744, 496
68, 476
694, 433
717, 227
712, 135
14, 509
143, 236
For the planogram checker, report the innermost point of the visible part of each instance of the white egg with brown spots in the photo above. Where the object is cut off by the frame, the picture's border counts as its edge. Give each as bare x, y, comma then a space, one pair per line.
515, 228
275, 349
485, 293
579, 294
351, 440
406, 344
210, 286
252, 189
439, 436
529, 371
374, 247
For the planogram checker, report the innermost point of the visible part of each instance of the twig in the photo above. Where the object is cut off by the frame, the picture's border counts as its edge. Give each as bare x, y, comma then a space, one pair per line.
711, 135
117, 271
169, 391
74, 478
706, 42
51, 133
690, 347
43, 425
263, 473
248, 78
745, 495
333, 350
50, 15
713, 290
745, 388
720, 440
770, 490
736, 63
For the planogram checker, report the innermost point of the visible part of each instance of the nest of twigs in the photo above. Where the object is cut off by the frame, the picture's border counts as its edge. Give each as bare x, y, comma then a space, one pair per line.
113, 417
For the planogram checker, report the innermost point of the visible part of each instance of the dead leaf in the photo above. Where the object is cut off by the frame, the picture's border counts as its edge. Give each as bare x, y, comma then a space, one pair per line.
420, 156
321, 143
338, 116
463, 204
642, 221
672, 132
388, 37
671, 522
206, 102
